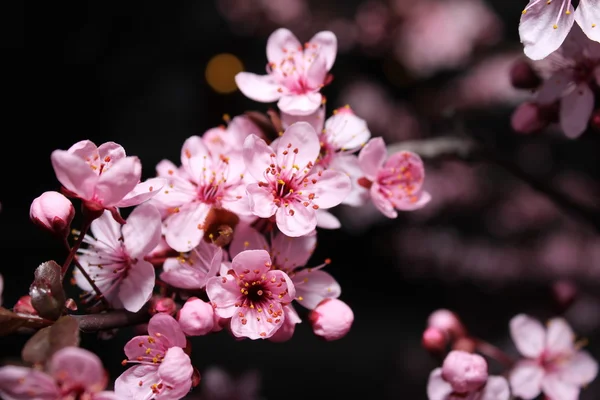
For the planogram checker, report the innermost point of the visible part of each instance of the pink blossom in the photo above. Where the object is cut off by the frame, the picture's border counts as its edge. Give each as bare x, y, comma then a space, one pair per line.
286, 186
464, 375
252, 295
553, 363
223, 140
394, 182
103, 177
575, 69
340, 136
331, 319
193, 270
205, 180
115, 257
295, 73
196, 317
72, 373
54, 212
545, 24
163, 371
217, 384
290, 255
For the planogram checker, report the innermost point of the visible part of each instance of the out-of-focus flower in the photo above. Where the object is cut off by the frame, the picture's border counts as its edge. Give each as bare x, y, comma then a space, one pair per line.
394, 182
295, 73
217, 384
193, 270
54, 212
223, 140
465, 375
161, 304
331, 319
528, 118
554, 363
545, 24
252, 295
163, 371
196, 317
103, 177
287, 187
115, 261
72, 373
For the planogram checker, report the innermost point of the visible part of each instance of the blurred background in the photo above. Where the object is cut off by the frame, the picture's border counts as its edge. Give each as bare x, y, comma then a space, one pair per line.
488, 246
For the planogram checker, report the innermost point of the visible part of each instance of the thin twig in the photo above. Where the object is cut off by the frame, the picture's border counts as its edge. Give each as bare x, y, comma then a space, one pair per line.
73, 250
111, 319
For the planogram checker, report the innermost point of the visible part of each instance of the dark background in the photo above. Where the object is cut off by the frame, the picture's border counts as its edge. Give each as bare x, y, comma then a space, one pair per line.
134, 73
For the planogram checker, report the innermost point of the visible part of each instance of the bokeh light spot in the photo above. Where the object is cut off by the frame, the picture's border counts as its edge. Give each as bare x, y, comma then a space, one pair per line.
221, 70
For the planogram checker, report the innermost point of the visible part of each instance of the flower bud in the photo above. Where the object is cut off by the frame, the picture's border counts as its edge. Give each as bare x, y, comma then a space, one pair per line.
434, 340
159, 304
331, 319
53, 212
595, 120
564, 293
196, 317
527, 118
24, 306
465, 372
523, 76
447, 321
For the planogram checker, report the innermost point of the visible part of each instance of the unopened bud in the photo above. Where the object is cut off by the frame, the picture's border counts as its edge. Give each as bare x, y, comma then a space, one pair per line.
447, 321
565, 293
528, 118
465, 372
595, 120
331, 319
24, 306
53, 212
434, 340
523, 76
196, 317
159, 304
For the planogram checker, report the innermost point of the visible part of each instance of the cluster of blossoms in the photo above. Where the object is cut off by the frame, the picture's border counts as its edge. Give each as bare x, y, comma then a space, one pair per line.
552, 362
229, 232
565, 74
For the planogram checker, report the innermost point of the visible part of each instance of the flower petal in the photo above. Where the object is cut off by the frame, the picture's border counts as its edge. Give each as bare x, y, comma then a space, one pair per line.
331, 188
349, 165
253, 260
544, 26
280, 44
587, 16
120, 179
283, 293
580, 369
296, 220
346, 131
107, 232
246, 237
327, 46
20, 383
290, 253
575, 111
437, 387
224, 293
298, 146
142, 232
136, 288
313, 286
184, 229
300, 104
262, 201
559, 337
262, 88
74, 173
255, 325
175, 371
496, 388
554, 87
526, 379
142, 192
327, 220
76, 367
166, 328
528, 334
112, 150
316, 119
382, 203
127, 385
257, 156
555, 388
372, 157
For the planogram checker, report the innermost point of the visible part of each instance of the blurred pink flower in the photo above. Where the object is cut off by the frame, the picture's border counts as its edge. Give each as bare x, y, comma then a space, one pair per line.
217, 384
295, 73
223, 140
193, 270
554, 364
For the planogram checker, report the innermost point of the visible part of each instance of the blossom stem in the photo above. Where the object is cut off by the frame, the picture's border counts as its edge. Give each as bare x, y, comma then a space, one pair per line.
76, 245
111, 319
494, 352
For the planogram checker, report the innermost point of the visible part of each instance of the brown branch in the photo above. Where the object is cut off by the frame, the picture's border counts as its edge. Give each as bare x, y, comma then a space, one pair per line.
111, 319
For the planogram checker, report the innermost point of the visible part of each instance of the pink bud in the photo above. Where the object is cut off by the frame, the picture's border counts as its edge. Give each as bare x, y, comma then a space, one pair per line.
196, 317
565, 292
159, 304
527, 118
465, 372
54, 212
523, 76
331, 319
595, 120
434, 340
447, 321
24, 306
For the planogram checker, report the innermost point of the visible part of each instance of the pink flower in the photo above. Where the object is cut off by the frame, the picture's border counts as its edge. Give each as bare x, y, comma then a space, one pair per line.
193, 270
196, 317
103, 177
290, 255
205, 180
72, 373
331, 319
545, 24
464, 375
54, 212
252, 295
576, 68
115, 257
163, 371
286, 186
554, 364
340, 136
295, 73
394, 182
223, 140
